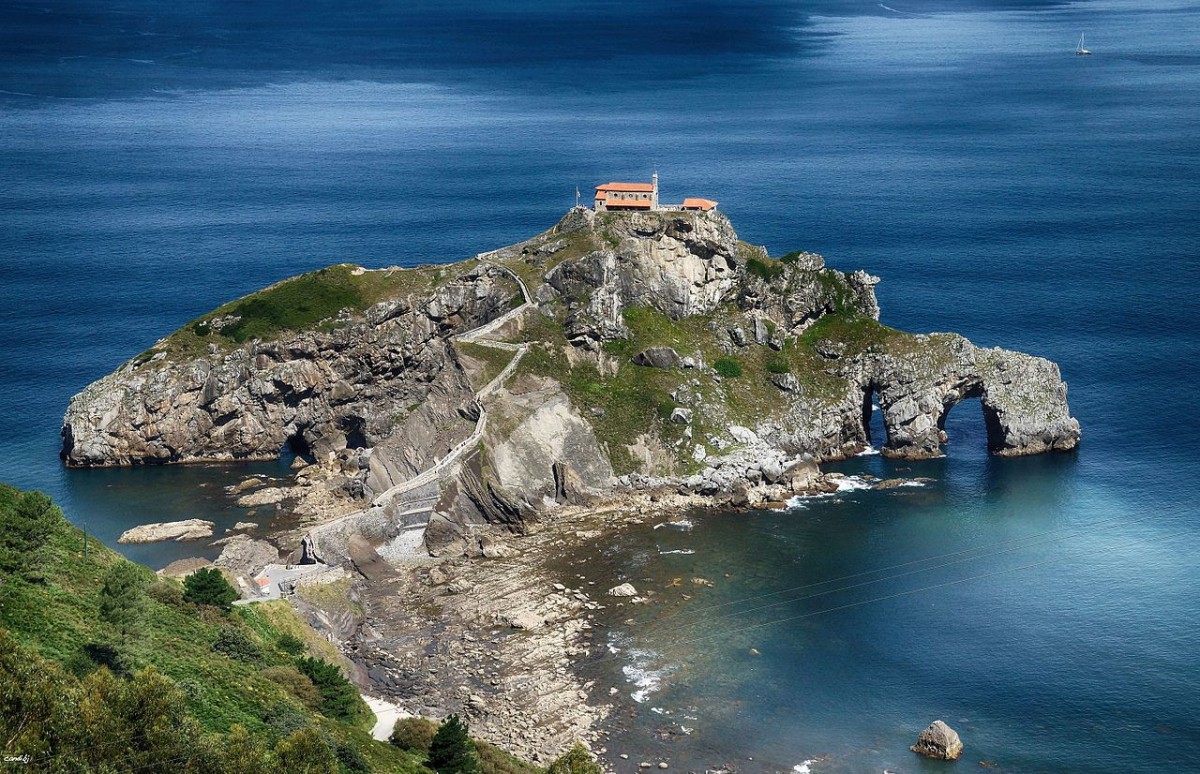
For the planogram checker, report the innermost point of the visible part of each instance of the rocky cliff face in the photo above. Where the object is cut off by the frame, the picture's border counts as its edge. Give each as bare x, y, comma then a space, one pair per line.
652, 350
354, 382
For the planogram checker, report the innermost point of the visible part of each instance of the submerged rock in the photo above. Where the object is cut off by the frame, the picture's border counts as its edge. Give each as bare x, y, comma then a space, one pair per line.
939, 741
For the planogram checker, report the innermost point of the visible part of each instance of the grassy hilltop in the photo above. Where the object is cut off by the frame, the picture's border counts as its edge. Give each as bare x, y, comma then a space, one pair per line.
139, 679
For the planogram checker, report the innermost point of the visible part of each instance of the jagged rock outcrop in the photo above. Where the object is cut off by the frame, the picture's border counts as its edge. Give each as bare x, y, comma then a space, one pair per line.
390, 371
917, 382
676, 263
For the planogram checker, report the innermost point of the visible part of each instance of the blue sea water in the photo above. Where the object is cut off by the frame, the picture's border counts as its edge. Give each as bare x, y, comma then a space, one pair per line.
158, 159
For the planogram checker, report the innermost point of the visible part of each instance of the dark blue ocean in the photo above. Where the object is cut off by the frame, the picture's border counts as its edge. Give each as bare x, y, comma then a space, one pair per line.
157, 159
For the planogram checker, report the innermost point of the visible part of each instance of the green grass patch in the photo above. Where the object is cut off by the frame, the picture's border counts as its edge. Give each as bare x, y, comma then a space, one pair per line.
50, 610
727, 367
765, 268
492, 361
308, 301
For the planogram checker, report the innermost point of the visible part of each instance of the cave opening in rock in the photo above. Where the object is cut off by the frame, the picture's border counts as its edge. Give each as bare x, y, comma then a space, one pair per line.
355, 430
872, 419
295, 446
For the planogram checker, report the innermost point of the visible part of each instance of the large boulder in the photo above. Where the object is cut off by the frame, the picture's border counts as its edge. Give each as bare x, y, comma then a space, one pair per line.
657, 357
188, 529
939, 741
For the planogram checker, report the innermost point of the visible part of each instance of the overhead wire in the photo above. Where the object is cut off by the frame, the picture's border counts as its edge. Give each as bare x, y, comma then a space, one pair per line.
860, 603
987, 553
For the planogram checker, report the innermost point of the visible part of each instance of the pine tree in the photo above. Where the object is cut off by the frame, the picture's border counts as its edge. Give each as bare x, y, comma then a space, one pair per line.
452, 751
207, 586
122, 597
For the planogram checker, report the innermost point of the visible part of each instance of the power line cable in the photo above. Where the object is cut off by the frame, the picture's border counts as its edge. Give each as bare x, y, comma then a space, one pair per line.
860, 603
1022, 543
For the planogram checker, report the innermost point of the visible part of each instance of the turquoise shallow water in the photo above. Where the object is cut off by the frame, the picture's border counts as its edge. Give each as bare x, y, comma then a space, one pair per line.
158, 161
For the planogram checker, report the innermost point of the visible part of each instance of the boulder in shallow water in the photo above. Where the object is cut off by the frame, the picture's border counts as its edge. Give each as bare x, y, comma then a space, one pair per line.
939, 741
624, 590
188, 529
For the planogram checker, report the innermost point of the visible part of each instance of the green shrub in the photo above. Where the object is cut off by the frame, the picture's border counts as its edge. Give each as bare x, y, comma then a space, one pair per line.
452, 751
94, 655
166, 592
234, 642
284, 718
413, 734
768, 270
295, 683
577, 760
727, 367
339, 699
351, 758
493, 760
778, 365
290, 644
306, 752
207, 586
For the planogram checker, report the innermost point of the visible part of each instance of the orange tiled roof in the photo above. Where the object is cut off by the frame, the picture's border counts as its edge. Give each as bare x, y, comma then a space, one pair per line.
696, 203
639, 204
601, 195
638, 187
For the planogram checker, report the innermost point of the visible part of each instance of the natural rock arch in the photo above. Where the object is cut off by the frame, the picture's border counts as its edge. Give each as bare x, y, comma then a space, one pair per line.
1023, 399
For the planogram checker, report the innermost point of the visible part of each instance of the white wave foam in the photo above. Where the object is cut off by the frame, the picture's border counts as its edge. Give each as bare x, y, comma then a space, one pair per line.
804, 768
852, 484
645, 680
684, 551
870, 451
679, 523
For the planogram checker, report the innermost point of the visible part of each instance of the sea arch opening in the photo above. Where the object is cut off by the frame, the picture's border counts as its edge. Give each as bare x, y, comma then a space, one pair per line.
961, 430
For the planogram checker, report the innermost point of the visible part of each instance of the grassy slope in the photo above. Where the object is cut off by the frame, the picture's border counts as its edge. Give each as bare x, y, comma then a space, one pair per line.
308, 301
491, 360
58, 617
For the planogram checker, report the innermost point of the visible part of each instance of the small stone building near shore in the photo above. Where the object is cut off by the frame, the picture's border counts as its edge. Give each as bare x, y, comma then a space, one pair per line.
642, 196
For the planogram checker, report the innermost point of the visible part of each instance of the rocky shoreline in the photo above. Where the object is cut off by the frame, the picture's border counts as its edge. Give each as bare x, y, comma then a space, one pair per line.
505, 639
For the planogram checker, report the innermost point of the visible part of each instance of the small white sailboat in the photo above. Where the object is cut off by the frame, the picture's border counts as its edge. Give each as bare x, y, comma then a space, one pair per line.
1079, 49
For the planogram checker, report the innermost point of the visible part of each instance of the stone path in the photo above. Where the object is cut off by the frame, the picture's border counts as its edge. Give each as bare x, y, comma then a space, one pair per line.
475, 336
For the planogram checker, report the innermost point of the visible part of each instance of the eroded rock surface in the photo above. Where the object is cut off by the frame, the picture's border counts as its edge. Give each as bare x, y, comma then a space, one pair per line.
188, 529
939, 741
390, 371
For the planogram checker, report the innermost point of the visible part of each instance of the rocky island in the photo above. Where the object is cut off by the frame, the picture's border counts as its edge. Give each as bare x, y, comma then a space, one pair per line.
647, 360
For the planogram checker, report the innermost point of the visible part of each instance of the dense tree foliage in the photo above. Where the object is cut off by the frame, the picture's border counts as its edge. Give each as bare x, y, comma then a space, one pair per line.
122, 597
27, 520
577, 760
207, 586
452, 751
413, 734
339, 699
306, 752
